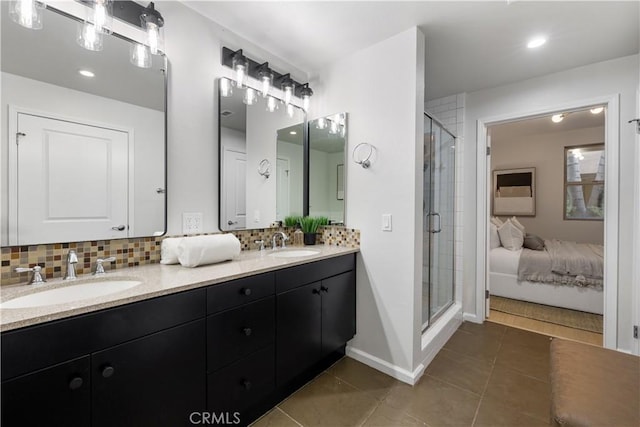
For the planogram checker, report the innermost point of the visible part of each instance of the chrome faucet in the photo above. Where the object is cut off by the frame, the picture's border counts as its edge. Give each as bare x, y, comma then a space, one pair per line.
72, 260
99, 267
274, 244
37, 274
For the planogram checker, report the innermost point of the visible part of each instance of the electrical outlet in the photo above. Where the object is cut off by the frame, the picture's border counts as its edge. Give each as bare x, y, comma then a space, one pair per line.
191, 222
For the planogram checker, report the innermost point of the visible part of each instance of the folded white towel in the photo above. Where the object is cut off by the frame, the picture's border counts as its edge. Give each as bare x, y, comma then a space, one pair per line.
169, 250
202, 250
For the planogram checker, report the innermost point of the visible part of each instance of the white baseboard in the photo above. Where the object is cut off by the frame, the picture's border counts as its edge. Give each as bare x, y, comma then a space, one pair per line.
439, 333
390, 369
468, 317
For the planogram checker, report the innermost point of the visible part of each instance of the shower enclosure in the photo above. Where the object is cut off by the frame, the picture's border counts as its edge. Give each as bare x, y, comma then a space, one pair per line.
438, 221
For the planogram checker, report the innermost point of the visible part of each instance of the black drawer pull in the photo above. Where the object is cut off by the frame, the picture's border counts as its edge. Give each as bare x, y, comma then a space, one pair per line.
246, 384
75, 383
107, 371
315, 291
324, 289
245, 291
247, 331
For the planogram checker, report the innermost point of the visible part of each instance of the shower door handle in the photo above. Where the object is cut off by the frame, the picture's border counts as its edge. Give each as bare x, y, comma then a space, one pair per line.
439, 229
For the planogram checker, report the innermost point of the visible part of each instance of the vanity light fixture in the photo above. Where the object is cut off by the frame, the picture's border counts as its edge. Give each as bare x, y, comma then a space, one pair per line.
86, 73
97, 22
226, 87
597, 110
290, 110
272, 104
557, 118
250, 96
288, 87
89, 37
153, 23
536, 42
140, 55
306, 93
240, 64
265, 75
27, 13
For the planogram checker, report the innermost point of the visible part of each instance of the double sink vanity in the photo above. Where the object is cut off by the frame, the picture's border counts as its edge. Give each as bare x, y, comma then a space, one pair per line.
176, 344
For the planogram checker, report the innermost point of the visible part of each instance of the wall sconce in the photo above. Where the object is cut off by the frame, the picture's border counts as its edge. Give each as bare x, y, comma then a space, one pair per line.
27, 13
245, 67
153, 23
98, 21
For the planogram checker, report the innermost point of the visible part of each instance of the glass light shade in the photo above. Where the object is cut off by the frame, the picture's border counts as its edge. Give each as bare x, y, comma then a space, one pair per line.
288, 93
27, 13
306, 93
155, 38
306, 99
272, 104
140, 55
266, 80
250, 96
290, 110
334, 127
88, 37
101, 15
240, 66
226, 87
321, 123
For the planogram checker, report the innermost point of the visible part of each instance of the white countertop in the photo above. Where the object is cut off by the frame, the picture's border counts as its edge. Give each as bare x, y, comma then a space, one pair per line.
157, 280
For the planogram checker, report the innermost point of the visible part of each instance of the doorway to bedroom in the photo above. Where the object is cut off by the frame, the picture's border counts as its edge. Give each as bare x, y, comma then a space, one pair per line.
546, 223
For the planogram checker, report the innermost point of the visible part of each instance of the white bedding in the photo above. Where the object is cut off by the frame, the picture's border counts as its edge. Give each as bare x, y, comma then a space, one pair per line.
503, 281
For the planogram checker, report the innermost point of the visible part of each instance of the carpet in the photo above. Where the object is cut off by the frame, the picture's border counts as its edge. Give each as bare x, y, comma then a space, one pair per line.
546, 313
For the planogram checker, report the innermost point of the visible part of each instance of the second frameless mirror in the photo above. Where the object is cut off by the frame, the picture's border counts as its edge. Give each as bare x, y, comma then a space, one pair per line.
261, 159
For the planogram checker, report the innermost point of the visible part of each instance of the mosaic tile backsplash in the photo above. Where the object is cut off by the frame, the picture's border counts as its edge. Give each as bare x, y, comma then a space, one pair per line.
132, 252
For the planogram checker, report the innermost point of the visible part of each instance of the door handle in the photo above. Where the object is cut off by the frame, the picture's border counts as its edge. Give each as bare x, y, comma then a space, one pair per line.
119, 227
231, 222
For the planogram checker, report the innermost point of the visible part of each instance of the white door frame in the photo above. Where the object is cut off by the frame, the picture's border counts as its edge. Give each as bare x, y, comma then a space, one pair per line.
612, 150
635, 281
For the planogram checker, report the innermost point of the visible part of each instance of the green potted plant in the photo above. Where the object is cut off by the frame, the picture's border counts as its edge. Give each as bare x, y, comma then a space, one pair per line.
292, 221
309, 226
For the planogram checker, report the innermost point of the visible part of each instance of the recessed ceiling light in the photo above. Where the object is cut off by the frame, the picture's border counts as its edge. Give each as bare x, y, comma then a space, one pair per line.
293, 132
86, 73
536, 42
557, 118
597, 110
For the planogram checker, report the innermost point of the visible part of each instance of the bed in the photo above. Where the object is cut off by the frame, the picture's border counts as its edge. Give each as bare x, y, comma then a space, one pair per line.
503, 281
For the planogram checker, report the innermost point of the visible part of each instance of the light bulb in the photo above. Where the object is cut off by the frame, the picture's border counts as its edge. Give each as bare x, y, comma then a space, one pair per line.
102, 16
288, 94
140, 55
152, 21
272, 104
250, 96
226, 88
154, 39
306, 94
27, 13
557, 118
88, 37
306, 99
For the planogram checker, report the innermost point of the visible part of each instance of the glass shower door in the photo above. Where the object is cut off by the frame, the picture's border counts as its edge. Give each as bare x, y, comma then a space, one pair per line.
438, 221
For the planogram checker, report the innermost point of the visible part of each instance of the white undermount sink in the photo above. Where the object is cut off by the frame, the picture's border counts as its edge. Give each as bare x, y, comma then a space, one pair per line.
67, 293
294, 253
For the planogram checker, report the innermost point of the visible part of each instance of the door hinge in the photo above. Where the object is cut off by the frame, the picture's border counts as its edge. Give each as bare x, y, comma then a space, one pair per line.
486, 294
635, 331
488, 151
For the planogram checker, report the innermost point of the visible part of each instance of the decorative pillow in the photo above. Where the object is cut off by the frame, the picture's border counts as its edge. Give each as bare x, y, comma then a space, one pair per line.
515, 222
494, 239
510, 236
496, 221
531, 241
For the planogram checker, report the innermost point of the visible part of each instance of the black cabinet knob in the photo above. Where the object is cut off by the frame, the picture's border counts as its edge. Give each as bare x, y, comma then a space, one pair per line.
247, 331
315, 291
324, 289
246, 384
107, 371
245, 291
75, 383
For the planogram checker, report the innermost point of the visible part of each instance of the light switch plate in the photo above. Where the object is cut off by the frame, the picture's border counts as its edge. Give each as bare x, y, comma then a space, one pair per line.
191, 222
386, 222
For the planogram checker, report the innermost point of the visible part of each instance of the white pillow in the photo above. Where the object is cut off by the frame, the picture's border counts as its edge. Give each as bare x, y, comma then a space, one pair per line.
496, 221
515, 222
494, 239
510, 236
169, 250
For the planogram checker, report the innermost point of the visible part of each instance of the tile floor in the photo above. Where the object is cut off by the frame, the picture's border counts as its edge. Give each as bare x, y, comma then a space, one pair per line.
486, 375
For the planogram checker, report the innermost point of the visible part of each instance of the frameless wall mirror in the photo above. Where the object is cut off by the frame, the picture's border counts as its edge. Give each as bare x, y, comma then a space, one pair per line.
327, 144
261, 159
85, 142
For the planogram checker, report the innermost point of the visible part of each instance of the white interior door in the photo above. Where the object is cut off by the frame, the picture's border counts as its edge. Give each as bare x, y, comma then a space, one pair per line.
72, 181
282, 188
235, 197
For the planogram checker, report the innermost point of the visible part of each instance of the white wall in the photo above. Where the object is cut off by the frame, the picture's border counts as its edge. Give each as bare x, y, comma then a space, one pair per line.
293, 152
390, 118
147, 125
545, 152
618, 76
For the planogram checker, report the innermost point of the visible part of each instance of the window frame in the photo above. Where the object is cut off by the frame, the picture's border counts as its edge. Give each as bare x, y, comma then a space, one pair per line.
600, 146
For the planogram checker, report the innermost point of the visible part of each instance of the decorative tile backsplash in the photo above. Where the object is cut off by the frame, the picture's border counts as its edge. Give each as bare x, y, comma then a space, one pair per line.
132, 252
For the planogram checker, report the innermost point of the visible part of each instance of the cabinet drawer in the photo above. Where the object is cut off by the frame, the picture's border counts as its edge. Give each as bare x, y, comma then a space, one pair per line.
238, 292
35, 347
238, 387
236, 333
300, 275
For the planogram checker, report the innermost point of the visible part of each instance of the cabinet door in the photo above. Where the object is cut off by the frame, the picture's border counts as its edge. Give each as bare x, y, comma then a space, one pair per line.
55, 396
157, 380
298, 335
338, 311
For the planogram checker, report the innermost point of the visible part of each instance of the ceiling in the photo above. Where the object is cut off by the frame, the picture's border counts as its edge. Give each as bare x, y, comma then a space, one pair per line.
469, 45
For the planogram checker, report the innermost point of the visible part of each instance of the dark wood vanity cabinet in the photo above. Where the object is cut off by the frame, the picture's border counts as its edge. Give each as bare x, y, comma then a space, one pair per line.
237, 347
